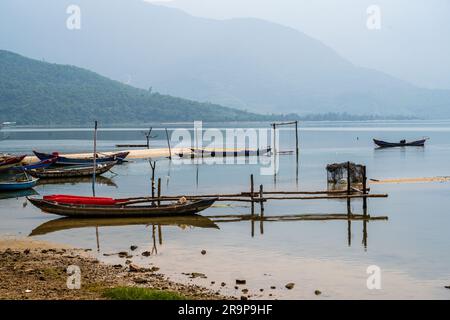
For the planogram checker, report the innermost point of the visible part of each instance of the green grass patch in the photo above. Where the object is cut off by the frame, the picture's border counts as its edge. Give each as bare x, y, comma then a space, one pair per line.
132, 293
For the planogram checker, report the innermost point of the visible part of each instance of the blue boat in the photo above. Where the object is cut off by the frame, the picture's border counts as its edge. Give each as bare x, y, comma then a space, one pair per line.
38, 165
18, 185
61, 160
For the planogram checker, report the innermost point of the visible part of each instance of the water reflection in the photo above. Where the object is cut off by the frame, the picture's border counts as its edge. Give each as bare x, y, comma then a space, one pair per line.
76, 223
17, 194
100, 180
349, 217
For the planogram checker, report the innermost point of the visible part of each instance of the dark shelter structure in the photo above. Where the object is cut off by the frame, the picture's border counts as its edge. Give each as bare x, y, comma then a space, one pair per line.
337, 172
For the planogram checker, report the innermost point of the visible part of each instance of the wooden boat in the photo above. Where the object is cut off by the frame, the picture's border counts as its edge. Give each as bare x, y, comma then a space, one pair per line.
211, 153
72, 171
7, 162
69, 161
38, 165
77, 223
122, 208
18, 184
402, 143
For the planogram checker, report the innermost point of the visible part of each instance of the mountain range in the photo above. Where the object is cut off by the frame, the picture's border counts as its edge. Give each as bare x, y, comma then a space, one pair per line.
39, 93
243, 63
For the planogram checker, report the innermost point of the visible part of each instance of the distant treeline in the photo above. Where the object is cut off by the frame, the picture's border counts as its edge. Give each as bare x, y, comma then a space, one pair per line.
351, 117
39, 93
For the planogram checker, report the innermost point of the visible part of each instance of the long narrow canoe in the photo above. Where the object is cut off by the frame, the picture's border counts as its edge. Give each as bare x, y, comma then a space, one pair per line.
7, 162
70, 172
122, 209
17, 185
384, 144
69, 161
38, 165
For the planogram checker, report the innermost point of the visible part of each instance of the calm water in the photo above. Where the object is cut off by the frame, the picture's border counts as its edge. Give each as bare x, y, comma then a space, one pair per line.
410, 247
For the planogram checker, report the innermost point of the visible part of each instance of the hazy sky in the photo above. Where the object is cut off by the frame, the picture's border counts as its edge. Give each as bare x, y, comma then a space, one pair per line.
413, 42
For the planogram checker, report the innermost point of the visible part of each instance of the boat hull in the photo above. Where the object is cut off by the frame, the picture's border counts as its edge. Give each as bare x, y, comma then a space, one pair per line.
16, 186
39, 165
73, 210
9, 162
384, 144
71, 172
65, 161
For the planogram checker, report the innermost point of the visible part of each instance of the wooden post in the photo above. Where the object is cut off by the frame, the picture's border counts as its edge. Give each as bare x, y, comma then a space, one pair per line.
252, 190
253, 227
160, 234
274, 138
348, 188
296, 139
364, 182
147, 136
168, 144
261, 199
159, 191
348, 178
153, 166
95, 158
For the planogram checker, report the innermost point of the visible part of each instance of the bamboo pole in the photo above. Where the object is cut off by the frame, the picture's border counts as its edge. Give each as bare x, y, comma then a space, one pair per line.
364, 190
95, 158
298, 217
349, 184
159, 191
296, 139
153, 167
168, 144
244, 199
252, 190
261, 197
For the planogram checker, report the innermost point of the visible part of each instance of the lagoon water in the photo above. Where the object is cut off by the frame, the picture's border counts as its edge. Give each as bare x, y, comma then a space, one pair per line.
410, 248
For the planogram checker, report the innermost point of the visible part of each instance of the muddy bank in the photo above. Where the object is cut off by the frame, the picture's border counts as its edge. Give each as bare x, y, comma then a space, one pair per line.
37, 270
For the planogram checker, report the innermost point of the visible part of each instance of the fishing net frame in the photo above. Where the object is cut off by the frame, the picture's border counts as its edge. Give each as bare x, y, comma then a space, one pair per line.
337, 172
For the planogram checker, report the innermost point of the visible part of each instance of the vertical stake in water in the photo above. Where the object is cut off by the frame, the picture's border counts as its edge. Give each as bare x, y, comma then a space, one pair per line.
364, 187
93, 180
168, 144
252, 191
95, 158
349, 183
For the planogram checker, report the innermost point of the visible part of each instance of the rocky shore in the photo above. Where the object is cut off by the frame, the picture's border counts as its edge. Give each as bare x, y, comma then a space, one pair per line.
32, 270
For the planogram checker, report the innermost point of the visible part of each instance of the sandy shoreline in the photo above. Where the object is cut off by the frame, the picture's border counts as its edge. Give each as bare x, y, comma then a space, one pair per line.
37, 270
136, 153
411, 180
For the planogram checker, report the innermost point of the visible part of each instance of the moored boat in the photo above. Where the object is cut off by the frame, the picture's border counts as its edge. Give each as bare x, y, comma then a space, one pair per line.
402, 143
83, 207
7, 161
18, 184
67, 160
38, 165
72, 171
